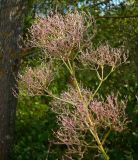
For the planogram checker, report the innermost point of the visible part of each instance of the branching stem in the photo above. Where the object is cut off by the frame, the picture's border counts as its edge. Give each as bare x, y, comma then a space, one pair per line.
89, 121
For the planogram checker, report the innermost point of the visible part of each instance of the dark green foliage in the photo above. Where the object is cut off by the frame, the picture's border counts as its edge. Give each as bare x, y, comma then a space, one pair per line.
34, 131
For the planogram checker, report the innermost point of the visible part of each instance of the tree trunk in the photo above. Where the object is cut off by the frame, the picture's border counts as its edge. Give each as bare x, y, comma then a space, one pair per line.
11, 12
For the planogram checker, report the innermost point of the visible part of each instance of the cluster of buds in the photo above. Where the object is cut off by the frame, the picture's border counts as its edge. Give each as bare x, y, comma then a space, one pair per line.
104, 55
57, 35
35, 80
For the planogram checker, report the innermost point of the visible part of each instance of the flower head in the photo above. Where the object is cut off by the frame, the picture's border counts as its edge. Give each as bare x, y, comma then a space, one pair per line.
35, 81
110, 113
57, 35
104, 55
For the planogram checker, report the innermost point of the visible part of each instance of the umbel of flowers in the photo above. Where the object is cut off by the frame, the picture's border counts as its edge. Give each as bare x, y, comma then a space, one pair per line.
80, 111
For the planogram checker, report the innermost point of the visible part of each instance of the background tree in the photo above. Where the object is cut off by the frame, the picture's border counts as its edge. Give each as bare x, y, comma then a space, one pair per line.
11, 23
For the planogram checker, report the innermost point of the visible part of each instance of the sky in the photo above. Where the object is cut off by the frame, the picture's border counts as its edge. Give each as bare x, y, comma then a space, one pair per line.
115, 2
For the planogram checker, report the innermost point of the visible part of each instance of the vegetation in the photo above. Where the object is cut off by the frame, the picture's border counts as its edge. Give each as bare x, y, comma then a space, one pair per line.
78, 84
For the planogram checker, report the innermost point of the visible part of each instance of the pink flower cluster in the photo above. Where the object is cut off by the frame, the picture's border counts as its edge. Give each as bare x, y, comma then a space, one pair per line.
57, 35
110, 113
35, 81
104, 55
73, 117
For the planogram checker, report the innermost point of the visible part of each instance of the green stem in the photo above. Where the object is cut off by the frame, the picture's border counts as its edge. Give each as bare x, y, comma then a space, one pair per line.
68, 67
106, 157
112, 69
106, 135
72, 72
99, 143
97, 89
92, 96
102, 79
60, 99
